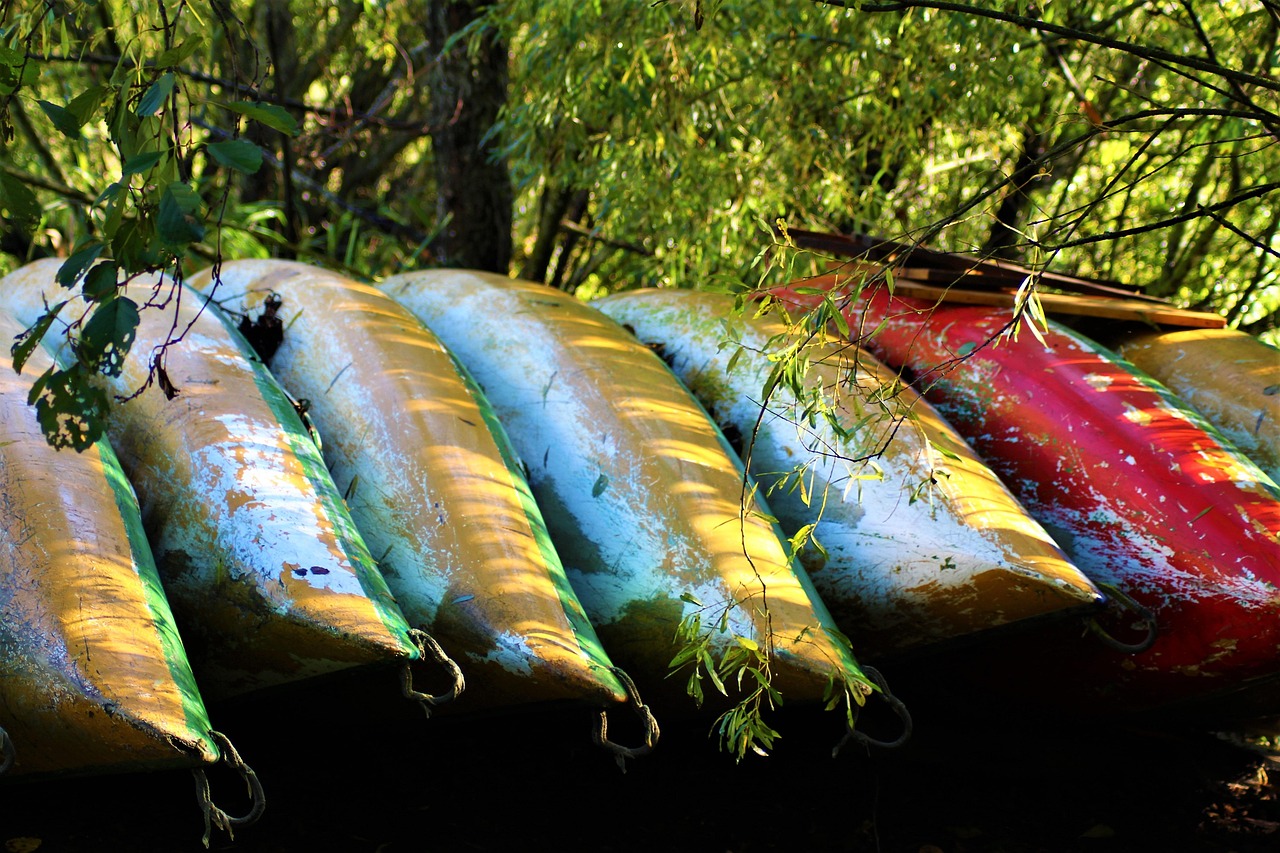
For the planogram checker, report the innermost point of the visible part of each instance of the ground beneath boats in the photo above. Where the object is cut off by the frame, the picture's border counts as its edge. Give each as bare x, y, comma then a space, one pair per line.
346, 772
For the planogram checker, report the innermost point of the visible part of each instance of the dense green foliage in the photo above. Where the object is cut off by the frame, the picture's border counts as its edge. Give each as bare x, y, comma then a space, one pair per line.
1133, 141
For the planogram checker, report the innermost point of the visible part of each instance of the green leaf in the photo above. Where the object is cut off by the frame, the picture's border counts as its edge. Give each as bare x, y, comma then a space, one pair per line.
19, 200
176, 222
71, 409
602, 483
11, 57
73, 267
177, 55
101, 282
140, 163
155, 95
30, 339
270, 115
85, 105
63, 119
239, 154
107, 337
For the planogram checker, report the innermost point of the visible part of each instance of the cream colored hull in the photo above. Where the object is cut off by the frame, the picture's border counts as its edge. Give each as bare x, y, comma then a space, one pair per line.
920, 547
451, 520
642, 497
265, 571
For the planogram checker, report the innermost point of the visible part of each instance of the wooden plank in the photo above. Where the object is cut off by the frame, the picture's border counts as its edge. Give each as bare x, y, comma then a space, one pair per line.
937, 266
1058, 303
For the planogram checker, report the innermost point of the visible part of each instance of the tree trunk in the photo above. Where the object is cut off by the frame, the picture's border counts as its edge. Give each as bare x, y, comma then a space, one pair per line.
473, 185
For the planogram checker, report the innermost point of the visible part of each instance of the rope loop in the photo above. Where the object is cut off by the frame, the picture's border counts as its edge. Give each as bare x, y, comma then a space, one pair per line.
430, 648
1126, 603
898, 708
214, 816
650, 723
7, 752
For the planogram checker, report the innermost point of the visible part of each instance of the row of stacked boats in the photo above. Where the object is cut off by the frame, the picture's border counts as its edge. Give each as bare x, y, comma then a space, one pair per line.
462, 473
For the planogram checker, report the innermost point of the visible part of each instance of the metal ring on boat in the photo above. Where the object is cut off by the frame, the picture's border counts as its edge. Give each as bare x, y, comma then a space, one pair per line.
898, 708
651, 733
7, 752
430, 648
214, 816
1126, 602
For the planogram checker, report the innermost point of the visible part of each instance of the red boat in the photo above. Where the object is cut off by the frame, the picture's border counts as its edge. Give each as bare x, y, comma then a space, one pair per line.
1144, 498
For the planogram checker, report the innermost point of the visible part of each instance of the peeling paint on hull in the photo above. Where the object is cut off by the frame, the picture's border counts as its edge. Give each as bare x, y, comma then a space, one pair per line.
901, 570
459, 539
1231, 378
640, 492
1138, 490
93, 677
266, 574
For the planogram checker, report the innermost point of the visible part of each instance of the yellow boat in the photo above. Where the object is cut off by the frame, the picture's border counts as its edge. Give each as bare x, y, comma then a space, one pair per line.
93, 676
430, 482
920, 542
649, 508
267, 576
1231, 378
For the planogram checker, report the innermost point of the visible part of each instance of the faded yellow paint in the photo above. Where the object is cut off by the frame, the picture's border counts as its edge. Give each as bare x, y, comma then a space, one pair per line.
668, 515
995, 564
427, 483
85, 681
226, 500
1231, 378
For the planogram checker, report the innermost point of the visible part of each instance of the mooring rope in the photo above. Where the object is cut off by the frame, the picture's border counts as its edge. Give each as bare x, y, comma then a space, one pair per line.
430, 648
1126, 603
650, 723
214, 816
898, 708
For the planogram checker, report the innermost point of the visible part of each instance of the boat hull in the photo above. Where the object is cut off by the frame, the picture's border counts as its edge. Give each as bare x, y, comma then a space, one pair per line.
917, 547
1231, 378
93, 675
266, 573
427, 475
642, 496
1138, 491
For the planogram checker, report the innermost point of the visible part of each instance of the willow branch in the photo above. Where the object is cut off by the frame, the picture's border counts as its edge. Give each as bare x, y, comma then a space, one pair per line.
1029, 23
254, 92
1255, 192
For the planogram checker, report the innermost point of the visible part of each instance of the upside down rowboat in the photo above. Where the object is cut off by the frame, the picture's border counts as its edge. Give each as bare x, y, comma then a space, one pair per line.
645, 501
1141, 493
267, 576
918, 547
430, 481
93, 676
1231, 378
